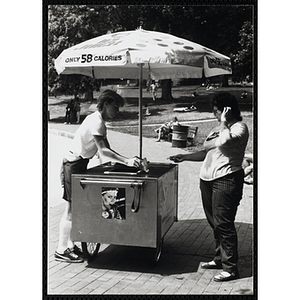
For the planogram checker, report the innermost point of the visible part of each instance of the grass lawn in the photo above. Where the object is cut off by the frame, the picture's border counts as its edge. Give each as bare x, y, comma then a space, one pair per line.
162, 111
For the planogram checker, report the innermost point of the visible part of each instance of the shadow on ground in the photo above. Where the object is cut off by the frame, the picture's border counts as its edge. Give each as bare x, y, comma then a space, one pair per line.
159, 108
187, 244
201, 101
122, 116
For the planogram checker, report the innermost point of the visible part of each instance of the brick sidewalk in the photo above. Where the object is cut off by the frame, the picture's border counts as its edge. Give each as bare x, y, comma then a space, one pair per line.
189, 242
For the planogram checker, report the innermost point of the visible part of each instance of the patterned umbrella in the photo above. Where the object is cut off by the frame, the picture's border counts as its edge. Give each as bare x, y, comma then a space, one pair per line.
141, 54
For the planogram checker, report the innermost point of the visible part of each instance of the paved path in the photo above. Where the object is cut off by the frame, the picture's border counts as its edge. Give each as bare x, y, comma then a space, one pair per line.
124, 270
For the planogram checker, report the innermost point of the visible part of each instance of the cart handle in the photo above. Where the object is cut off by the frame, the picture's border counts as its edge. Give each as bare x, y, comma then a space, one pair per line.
137, 186
86, 181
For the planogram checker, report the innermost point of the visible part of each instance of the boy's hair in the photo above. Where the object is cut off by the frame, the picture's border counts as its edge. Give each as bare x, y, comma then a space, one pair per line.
109, 96
224, 99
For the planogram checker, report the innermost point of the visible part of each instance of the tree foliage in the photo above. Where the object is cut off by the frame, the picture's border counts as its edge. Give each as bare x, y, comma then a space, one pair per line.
227, 29
68, 26
243, 59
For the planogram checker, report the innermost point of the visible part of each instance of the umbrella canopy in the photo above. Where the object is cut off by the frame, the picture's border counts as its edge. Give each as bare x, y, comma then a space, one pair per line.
164, 56
139, 54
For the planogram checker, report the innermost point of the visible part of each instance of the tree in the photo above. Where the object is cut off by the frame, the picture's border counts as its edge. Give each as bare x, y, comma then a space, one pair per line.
224, 28
166, 87
243, 59
69, 25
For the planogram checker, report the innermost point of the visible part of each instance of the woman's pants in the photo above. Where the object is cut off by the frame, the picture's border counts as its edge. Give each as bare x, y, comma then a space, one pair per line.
221, 198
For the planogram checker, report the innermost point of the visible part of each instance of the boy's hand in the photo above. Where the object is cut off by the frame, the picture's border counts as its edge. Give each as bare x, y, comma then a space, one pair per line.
134, 162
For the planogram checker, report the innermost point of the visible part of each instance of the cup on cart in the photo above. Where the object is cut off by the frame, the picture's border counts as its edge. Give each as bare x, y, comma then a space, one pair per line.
144, 165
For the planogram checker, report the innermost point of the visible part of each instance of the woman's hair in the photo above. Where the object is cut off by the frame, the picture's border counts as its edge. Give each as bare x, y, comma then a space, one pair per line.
223, 99
109, 96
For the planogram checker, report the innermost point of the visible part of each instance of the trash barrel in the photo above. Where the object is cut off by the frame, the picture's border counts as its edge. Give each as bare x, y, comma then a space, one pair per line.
179, 136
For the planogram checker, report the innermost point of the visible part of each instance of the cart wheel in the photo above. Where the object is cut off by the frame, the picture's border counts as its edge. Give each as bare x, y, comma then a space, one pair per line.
90, 249
158, 251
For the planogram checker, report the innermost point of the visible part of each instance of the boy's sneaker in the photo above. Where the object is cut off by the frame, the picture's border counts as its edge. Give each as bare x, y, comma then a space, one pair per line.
78, 251
68, 256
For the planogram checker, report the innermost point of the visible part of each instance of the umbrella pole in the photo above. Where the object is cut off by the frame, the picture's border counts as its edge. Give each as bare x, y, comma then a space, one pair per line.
140, 109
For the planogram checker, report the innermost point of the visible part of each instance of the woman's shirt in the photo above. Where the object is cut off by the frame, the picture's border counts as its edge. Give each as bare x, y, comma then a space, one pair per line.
227, 158
83, 144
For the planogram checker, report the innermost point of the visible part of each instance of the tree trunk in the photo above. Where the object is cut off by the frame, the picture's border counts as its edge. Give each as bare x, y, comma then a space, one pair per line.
225, 81
88, 95
166, 87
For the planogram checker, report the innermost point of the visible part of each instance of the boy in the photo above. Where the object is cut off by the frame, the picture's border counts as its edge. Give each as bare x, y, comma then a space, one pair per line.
89, 139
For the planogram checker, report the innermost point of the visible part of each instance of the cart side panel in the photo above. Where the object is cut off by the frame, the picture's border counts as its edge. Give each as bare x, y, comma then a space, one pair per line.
89, 225
167, 200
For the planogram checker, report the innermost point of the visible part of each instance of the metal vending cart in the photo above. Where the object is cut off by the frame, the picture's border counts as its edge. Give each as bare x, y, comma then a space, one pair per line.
120, 205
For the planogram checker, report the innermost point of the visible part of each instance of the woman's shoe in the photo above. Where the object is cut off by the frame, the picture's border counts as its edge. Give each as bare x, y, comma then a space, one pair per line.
211, 265
226, 276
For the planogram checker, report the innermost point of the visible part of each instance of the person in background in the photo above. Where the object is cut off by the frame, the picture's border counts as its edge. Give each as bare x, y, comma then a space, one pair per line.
77, 110
221, 181
90, 138
166, 128
248, 168
69, 111
154, 87
244, 95
147, 112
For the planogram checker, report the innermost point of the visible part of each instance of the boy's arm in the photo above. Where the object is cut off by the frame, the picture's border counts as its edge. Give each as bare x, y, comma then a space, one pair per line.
107, 154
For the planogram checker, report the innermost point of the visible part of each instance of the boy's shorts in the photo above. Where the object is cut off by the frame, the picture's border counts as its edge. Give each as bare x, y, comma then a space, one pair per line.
67, 169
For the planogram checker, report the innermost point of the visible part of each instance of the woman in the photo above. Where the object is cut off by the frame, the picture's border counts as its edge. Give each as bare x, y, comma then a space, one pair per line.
221, 181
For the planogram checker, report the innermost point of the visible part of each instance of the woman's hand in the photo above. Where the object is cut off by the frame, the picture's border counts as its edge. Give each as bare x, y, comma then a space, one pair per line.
226, 113
177, 158
195, 156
